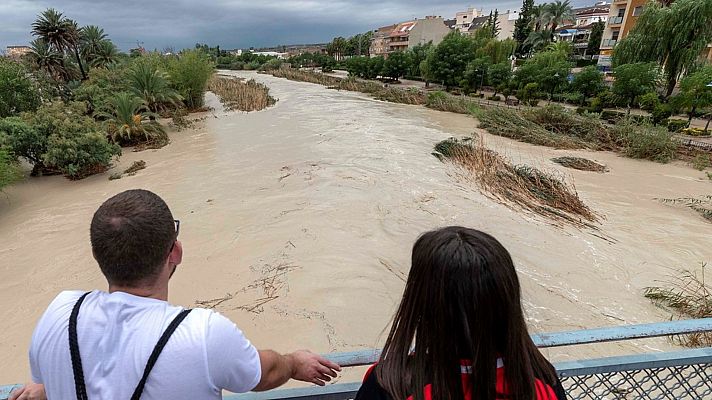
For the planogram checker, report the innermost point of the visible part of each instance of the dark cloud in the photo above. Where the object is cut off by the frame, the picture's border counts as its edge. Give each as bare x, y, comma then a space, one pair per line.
229, 23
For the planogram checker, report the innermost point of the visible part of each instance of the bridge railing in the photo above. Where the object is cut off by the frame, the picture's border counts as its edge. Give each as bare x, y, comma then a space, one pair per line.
685, 374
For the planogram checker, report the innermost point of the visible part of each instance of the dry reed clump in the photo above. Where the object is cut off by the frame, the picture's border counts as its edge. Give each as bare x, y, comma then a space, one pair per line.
236, 94
135, 167
580, 164
689, 297
702, 205
521, 185
512, 124
442, 101
586, 127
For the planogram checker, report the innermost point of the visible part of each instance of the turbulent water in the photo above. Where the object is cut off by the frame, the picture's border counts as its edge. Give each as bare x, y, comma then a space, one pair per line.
297, 223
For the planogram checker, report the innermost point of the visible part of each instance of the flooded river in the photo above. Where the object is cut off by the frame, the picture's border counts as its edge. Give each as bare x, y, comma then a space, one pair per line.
297, 223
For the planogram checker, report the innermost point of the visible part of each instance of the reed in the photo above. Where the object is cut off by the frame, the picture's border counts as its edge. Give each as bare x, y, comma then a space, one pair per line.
236, 94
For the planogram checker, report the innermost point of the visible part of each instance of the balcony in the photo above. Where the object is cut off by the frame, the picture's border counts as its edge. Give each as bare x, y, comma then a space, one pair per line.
608, 43
615, 21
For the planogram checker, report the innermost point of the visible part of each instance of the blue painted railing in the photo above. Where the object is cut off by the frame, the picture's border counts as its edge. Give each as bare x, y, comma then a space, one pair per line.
579, 373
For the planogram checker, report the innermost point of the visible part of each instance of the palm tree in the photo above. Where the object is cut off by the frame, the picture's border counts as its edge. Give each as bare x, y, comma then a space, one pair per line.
59, 32
92, 37
130, 122
537, 16
558, 12
152, 86
538, 40
105, 55
46, 58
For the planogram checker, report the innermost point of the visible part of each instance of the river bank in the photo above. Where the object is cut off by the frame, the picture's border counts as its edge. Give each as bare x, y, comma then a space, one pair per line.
297, 223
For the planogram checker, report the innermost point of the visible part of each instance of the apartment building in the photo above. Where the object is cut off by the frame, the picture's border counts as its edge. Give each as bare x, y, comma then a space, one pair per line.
579, 31
622, 17
405, 35
464, 19
17, 52
379, 41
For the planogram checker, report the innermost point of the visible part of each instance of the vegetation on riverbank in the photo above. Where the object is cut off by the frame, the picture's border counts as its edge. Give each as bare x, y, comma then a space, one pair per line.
517, 185
581, 164
71, 104
237, 94
688, 295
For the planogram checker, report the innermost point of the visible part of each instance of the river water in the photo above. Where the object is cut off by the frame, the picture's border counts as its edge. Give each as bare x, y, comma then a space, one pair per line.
297, 222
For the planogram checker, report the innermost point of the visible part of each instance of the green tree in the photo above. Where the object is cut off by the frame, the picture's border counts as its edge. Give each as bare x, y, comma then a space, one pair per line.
396, 65
374, 67
425, 72
672, 36
594, 40
106, 55
633, 80
499, 76
18, 92
131, 123
152, 85
696, 91
60, 32
548, 69
475, 74
189, 75
538, 40
47, 59
522, 26
24, 141
90, 39
558, 12
9, 169
588, 82
417, 55
450, 58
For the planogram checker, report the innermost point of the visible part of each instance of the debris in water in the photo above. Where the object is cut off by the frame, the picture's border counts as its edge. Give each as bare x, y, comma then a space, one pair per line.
580, 164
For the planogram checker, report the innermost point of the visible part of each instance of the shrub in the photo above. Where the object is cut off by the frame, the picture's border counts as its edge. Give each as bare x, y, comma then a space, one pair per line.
596, 105
189, 75
23, 140
9, 170
649, 101
701, 162
253, 66
573, 98
660, 114
645, 141
695, 132
495, 98
676, 125
79, 154
17, 92
446, 102
237, 66
129, 123
612, 117
152, 85
587, 127
272, 65
530, 92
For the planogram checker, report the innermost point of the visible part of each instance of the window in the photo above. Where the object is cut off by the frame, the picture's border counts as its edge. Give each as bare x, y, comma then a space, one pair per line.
621, 12
637, 11
615, 35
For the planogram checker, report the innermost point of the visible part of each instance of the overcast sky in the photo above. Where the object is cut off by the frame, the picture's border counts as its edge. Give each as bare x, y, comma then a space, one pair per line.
230, 23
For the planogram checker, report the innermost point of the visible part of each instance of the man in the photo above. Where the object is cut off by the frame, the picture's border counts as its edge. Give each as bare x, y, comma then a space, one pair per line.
130, 343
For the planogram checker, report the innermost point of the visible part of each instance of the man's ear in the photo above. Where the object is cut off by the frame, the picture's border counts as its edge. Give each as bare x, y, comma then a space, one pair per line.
176, 256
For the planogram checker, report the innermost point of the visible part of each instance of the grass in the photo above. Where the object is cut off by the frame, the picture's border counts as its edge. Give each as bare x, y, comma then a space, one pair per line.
645, 141
701, 161
236, 94
580, 164
702, 205
688, 296
517, 185
587, 127
446, 102
514, 125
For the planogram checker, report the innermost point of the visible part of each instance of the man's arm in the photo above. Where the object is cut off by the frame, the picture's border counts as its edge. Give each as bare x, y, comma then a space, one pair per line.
302, 365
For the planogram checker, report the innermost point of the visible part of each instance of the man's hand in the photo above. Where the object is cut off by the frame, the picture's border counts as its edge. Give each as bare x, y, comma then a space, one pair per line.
310, 367
31, 391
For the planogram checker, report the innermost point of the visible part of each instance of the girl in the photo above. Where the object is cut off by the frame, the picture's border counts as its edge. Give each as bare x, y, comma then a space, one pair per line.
462, 312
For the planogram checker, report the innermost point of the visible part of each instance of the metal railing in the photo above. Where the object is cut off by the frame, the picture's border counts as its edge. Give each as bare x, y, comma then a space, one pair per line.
615, 21
609, 43
685, 374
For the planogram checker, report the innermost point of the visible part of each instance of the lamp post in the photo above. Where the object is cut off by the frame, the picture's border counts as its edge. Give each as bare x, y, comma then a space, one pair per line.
553, 87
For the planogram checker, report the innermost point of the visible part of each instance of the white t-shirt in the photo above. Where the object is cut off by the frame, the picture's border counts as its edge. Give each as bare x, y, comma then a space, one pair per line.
117, 332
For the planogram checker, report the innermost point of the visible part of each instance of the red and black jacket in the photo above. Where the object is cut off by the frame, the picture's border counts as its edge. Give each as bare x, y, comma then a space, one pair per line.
372, 390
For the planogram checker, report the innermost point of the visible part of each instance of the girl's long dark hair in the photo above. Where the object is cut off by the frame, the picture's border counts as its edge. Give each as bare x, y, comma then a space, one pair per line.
462, 301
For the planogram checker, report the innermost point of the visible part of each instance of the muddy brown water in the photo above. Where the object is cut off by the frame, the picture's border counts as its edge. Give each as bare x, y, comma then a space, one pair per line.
297, 223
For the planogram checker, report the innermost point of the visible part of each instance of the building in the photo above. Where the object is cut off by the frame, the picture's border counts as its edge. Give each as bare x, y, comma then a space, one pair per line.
406, 35
450, 23
506, 24
379, 41
476, 24
17, 52
622, 17
579, 31
464, 19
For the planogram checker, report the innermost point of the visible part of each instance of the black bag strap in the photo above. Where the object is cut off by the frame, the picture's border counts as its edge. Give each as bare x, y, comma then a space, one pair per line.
74, 351
79, 383
157, 351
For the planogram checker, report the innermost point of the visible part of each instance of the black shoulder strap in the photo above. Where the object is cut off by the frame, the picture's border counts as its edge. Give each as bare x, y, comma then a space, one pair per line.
157, 351
79, 383
74, 351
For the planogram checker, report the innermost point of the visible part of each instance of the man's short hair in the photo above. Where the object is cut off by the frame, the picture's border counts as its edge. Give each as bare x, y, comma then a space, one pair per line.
131, 236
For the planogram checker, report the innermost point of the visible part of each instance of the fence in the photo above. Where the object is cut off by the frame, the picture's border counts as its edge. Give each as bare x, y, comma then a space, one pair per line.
685, 374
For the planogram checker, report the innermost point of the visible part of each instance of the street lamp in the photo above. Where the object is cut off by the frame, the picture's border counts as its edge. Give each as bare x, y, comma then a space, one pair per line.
553, 87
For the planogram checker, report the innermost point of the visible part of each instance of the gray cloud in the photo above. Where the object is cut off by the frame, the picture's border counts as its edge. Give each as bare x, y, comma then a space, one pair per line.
229, 23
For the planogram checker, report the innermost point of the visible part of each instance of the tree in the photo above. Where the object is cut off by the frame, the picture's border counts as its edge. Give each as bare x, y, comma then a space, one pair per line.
106, 55
24, 141
59, 32
538, 17
92, 37
556, 13
425, 72
152, 85
130, 123
588, 82
498, 76
695, 90
9, 170
492, 26
396, 65
337, 47
450, 58
522, 27
46, 58
671, 36
633, 80
417, 54
475, 74
18, 92
594, 40
548, 69
538, 40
